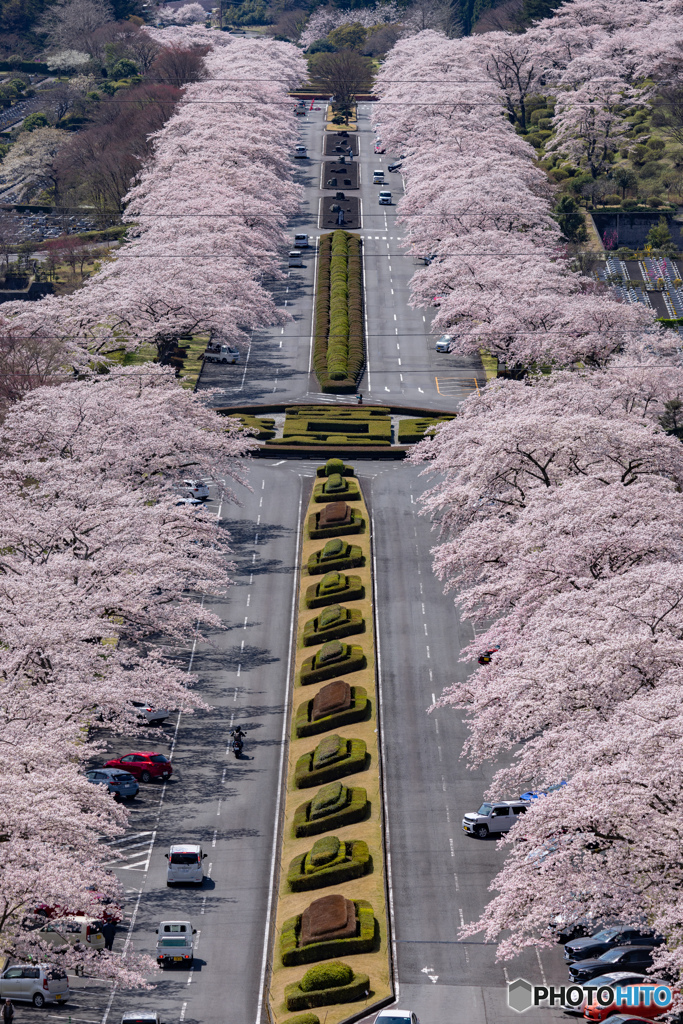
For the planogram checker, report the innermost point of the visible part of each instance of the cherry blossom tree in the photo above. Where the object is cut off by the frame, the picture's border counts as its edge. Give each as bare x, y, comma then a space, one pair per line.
185, 15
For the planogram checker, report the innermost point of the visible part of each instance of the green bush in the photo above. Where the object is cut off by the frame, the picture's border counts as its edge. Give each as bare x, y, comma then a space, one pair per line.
332, 439
349, 557
348, 860
292, 954
316, 532
322, 628
334, 806
339, 350
335, 466
541, 114
333, 758
326, 985
656, 144
337, 488
334, 586
304, 1018
651, 169
411, 431
333, 659
359, 710
262, 424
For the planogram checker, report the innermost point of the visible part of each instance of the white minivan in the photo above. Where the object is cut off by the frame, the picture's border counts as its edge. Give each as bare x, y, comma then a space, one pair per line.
385, 198
185, 864
378, 177
34, 983
300, 153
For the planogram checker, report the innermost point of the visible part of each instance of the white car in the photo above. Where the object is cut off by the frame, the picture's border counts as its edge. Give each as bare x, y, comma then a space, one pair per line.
300, 153
149, 713
35, 983
196, 488
396, 1017
68, 931
295, 258
378, 177
497, 816
190, 502
301, 241
385, 198
185, 864
175, 944
121, 785
444, 343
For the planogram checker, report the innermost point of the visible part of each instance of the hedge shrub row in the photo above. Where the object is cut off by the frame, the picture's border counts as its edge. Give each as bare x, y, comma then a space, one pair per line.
292, 954
351, 757
304, 1018
341, 556
334, 586
326, 663
333, 806
325, 985
264, 425
336, 488
350, 859
317, 532
412, 431
345, 622
331, 439
339, 351
359, 710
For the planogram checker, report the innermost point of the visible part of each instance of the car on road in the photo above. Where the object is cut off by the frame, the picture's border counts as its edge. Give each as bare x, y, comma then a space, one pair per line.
395, 167
443, 343
379, 148
121, 785
296, 259
378, 177
301, 241
606, 980
175, 944
34, 983
197, 488
216, 353
622, 958
144, 1017
592, 1010
497, 816
145, 765
70, 931
535, 794
385, 198
300, 153
593, 946
396, 1017
150, 714
185, 864
300, 108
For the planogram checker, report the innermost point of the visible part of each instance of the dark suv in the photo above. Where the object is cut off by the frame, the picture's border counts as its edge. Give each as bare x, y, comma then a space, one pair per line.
594, 946
623, 958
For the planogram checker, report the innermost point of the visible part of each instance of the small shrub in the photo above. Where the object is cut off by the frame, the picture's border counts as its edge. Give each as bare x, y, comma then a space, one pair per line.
614, 199
351, 860
348, 622
650, 169
304, 1018
294, 951
334, 806
334, 586
316, 994
326, 976
333, 758
337, 488
347, 556
333, 659
656, 144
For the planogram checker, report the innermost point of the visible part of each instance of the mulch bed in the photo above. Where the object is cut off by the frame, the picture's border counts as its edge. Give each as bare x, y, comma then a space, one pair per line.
329, 217
336, 144
342, 175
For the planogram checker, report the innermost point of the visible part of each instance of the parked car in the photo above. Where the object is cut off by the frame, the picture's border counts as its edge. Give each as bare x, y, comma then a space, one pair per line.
144, 765
121, 785
197, 488
396, 1017
395, 167
69, 931
443, 343
385, 198
607, 938
378, 177
35, 983
535, 794
296, 259
144, 1017
301, 241
613, 978
175, 944
627, 1014
221, 354
621, 958
185, 864
379, 148
493, 817
300, 152
438, 299
190, 502
149, 713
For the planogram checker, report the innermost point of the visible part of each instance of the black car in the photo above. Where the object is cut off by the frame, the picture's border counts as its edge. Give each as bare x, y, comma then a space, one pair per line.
607, 938
622, 958
394, 167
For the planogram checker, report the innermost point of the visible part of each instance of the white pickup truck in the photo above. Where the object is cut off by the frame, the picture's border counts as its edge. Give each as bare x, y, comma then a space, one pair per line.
221, 354
175, 944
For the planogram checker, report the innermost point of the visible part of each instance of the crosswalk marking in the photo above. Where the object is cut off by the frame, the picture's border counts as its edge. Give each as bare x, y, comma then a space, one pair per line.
456, 387
139, 861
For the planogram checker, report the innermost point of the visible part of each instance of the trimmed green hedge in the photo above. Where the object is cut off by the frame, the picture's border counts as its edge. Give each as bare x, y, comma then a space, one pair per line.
339, 349
263, 424
334, 587
326, 985
349, 557
304, 1018
336, 488
346, 757
327, 663
326, 627
350, 860
335, 439
293, 954
335, 466
412, 431
316, 532
333, 806
360, 708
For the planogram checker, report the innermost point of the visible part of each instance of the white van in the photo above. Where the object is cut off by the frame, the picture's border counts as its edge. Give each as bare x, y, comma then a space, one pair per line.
385, 198
296, 259
494, 817
300, 152
301, 241
67, 931
185, 864
378, 177
34, 983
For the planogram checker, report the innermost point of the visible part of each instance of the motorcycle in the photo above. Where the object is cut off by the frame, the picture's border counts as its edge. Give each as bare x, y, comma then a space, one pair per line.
237, 746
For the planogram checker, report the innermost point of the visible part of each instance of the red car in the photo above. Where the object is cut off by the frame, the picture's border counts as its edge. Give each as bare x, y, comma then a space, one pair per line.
144, 765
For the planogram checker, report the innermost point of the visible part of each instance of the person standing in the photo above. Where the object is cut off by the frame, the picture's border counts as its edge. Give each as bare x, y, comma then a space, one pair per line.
7, 1012
109, 932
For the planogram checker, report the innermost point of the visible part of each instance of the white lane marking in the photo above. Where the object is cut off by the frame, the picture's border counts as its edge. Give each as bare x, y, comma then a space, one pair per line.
213, 841
283, 744
182, 1011
433, 701
263, 485
457, 883
450, 843
428, 654
248, 599
218, 812
462, 919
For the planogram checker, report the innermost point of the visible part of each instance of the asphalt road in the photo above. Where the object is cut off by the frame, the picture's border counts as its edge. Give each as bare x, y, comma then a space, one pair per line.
402, 366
